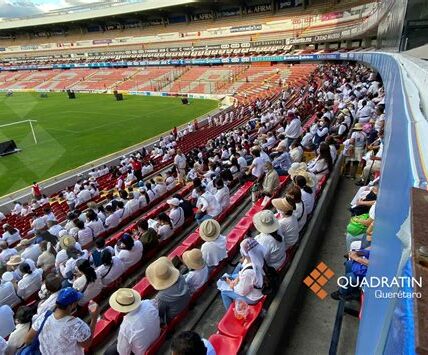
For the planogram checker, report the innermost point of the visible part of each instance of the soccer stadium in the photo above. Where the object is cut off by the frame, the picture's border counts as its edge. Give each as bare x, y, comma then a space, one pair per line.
196, 177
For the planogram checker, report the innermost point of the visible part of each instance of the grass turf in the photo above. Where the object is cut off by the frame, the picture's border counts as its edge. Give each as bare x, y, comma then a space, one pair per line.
74, 132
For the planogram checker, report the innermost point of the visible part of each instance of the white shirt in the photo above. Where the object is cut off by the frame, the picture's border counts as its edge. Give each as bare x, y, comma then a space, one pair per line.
139, 329
85, 236
180, 161
258, 167
223, 197
160, 190
8, 294
55, 229
164, 231
11, 238
245, 286
30, 283
6, 254
289, 230
96, 226
131, 207
215, 251
32, 252
208, 203
92, 290
275, 251
61, 336
309, 200
300, 215
196, 278
7, 324
117, 269
112, 221
177, 217
293, 129
47, 305
17, 338
130, 257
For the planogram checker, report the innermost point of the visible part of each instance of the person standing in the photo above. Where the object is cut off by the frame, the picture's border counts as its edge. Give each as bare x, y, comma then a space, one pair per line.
36, 191
180, 163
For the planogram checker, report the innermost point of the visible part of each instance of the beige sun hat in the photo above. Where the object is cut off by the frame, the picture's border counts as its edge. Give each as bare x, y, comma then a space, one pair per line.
310, 177
358, 127
67, 241
193, 259
281, 204
159, 179
125, 300
295, 167
14, 260
265, 222
162, 274
209, 230
25, 243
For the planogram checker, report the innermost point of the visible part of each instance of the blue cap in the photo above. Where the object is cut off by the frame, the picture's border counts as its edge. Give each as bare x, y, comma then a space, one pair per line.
68, 296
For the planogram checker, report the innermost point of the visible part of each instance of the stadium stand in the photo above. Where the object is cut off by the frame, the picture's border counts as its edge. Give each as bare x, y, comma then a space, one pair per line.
129, 248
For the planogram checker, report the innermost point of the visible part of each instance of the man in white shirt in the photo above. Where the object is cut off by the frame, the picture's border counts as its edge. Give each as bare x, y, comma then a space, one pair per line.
257, 167
17, 208
6, 252
30, 283
140, 326
207, 204
293, 129
112, 219
8, 294
83, 196
132, 205
11, 235
180, 164
31, 251
214, 248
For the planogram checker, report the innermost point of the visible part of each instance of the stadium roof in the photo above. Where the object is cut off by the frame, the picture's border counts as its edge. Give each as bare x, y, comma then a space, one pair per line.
90, 11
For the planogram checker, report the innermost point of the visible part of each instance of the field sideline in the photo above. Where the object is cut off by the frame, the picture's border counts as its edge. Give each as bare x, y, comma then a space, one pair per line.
74, 132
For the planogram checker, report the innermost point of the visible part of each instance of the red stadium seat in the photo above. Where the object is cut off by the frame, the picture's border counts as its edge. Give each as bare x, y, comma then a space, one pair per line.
233, 327
193, 240
154, 348
102, 332
225, 345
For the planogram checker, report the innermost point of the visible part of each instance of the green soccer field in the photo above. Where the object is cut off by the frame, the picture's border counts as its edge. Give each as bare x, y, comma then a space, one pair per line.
73, 132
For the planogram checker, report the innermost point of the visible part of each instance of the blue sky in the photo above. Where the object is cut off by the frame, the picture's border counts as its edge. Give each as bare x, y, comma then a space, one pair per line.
20, 8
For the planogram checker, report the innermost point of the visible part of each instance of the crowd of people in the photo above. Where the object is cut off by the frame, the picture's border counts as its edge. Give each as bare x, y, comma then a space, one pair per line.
68, 265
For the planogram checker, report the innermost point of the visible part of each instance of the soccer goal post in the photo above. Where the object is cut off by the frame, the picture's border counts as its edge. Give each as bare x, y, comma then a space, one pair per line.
30, 122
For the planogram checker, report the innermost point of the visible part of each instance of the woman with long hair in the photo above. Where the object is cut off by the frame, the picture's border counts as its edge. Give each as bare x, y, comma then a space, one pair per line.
86, 281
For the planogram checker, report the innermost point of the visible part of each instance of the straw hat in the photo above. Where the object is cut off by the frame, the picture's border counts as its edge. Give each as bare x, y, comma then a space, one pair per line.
281, 204
310, 177
67, 241
265, 222
14, 260
193, 259
358, 127
159, 179
296, 167
25, 242
209, 230
162, 274
125, 300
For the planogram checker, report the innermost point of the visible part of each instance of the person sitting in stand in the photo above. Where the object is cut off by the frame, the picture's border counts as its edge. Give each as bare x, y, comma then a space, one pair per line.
128, 250
214, 248
198, 270
174, 295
